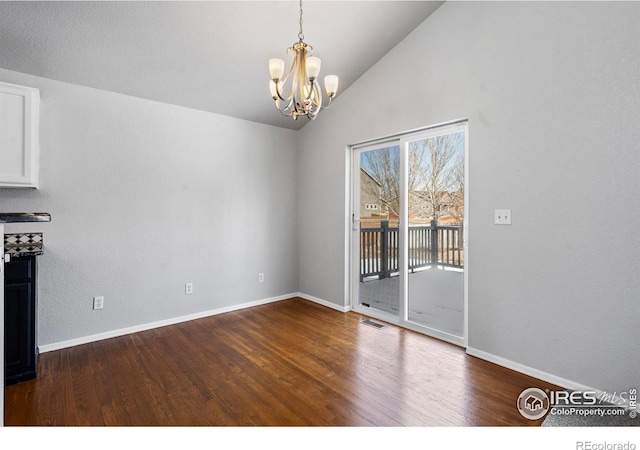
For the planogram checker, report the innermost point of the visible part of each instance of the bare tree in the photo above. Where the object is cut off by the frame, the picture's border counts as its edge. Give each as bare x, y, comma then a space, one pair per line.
437, 171
384, 165
457, 192
436, 175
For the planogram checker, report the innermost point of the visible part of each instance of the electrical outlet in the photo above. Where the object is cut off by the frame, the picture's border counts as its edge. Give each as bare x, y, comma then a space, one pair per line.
502, 217
260, 278
188, 288
98, 302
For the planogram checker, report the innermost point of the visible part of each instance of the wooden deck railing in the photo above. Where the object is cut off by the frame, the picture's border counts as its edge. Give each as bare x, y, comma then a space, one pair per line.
428, 245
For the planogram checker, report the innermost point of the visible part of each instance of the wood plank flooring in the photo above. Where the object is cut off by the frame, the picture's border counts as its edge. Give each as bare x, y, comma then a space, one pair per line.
289, 363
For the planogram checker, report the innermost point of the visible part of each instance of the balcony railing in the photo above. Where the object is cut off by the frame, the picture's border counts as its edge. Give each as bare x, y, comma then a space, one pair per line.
428, 246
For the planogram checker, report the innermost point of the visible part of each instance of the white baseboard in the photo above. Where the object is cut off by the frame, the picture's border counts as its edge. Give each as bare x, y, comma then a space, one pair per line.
535, 373
326, 303
158, 324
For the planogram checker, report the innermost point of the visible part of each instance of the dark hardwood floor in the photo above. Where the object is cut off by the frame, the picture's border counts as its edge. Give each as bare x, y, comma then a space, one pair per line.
291, 362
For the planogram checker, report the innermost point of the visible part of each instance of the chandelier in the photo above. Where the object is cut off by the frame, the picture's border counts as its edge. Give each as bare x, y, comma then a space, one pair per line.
305, 94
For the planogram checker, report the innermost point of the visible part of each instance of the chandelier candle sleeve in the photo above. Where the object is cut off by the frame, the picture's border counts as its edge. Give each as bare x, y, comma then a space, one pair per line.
276, 68
331, 84
304, 97
313, 67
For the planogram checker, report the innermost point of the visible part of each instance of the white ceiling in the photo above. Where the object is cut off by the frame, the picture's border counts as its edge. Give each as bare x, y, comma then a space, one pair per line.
210, 55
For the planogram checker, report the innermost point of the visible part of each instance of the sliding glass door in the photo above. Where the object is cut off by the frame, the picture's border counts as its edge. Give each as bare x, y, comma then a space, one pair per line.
376, 220
408, 246
435, 200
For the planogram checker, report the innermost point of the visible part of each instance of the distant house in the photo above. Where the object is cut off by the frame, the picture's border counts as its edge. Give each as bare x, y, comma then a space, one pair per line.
448, 206
371, 203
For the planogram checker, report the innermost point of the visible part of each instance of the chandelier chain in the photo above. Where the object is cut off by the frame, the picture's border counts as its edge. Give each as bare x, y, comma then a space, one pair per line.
300, 34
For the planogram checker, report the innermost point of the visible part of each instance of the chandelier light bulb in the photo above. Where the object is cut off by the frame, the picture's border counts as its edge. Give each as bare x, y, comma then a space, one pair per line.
313, 67
331, 84
276, 68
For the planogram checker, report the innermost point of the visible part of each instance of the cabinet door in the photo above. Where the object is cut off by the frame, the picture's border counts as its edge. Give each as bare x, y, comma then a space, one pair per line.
19, 113
19, 333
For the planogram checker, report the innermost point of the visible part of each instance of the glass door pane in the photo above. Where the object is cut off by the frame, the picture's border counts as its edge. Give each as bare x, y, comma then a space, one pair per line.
435, 266
378, 229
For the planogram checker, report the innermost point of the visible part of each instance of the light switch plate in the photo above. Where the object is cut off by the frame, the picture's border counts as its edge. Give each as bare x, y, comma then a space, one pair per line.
503, 217
98, 302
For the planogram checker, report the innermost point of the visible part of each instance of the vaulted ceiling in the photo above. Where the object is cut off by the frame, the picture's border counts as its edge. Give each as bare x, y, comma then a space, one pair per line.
209, 55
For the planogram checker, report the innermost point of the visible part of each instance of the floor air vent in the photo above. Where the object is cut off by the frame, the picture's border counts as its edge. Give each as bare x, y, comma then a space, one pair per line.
371, 323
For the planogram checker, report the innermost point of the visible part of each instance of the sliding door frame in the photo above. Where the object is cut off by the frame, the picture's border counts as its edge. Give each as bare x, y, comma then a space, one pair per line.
353, 225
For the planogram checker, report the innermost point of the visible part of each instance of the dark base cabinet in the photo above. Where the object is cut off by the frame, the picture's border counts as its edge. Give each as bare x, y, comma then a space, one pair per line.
20, 354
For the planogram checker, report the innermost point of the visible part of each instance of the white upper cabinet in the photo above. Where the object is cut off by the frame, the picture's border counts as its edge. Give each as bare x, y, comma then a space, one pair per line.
19, 152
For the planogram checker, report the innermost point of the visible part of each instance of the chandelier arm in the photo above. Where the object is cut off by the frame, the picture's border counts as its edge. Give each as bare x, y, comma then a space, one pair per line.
284, 82
328, 103
287, 109
279, 94
313, 91
318, 95
286, 114
313, 114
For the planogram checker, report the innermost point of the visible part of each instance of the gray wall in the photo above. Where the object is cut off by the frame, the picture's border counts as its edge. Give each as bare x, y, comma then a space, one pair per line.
552, 94
146, 196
